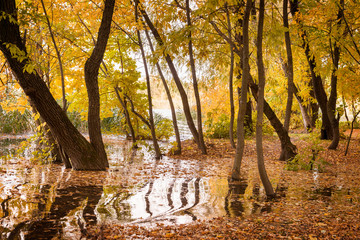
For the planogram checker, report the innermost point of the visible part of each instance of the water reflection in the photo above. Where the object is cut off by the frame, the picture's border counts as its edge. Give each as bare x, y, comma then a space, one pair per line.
48, 201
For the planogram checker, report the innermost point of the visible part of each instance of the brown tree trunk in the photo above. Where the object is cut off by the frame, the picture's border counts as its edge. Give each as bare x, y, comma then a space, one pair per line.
91, 70
151, 118
320, 94
244, 86
231, 88
82, 154
58, 57
331, 106
288, 150
260, 106
290, 71
127, 115
171, 103
195, 82
176, 77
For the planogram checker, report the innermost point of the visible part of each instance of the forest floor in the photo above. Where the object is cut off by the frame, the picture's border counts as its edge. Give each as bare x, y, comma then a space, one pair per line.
323, 203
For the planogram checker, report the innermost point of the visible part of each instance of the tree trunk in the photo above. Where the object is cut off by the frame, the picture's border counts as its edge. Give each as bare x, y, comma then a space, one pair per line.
248, 122
151, 118
82, 154
313, 109
331, 106
320, 94
177, 80
288, 150
171, 103
260, 106
91, 70
127, 116
58, 57
195, 82
231, 89
290, 71
244, 85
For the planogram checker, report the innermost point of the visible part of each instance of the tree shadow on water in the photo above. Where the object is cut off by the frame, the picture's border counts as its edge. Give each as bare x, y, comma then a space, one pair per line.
71, 210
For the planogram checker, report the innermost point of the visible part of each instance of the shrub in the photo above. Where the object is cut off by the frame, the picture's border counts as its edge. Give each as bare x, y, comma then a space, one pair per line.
15, 122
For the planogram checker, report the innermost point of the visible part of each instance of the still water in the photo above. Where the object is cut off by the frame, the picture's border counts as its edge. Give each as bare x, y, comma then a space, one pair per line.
46, 201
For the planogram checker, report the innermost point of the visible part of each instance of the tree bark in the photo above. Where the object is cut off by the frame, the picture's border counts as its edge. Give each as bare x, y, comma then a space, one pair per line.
244, 85
127, 115
231, 89
171, 103
91, 70
58, 57
320, 94
176, 77
195, 82
151, 118
82, 154
331, 105
290, 71
260, 106
288, 150
305, 116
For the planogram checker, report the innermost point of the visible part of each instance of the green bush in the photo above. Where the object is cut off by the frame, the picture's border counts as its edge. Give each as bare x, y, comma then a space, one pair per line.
219, 128
15, 122
309, 158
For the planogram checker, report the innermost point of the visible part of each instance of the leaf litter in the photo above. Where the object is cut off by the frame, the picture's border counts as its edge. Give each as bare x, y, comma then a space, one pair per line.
309, 204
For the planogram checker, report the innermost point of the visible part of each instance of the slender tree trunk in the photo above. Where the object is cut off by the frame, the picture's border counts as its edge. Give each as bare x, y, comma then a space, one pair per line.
195, 82
171, 103
313, 108
351, 131
290, 71
176, 77
288, 150
151, 118
320, 94
58, 57
92, 66
82, 154
127, 116
248, 122
60, 151
242, 106
231, 89
260, 106
331, 106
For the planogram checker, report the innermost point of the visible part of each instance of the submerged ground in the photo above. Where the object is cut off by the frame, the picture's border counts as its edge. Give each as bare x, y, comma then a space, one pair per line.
184, 197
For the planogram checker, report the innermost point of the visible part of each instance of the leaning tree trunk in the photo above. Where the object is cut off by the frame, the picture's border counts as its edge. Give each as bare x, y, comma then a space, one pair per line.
177, 150
331, 106
127, 115
195, 82
244, 86
92, 66
320, 94
288, 150
58, 57
151, 117
260, 106
176, 77
82, 154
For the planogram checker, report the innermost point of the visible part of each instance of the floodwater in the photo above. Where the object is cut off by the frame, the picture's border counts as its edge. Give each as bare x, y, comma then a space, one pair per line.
48, 201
